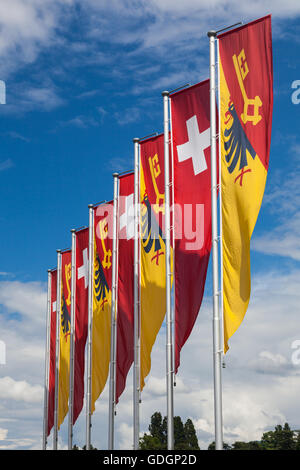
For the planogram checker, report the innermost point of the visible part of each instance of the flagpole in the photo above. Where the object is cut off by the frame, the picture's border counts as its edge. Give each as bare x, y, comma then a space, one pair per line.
220, 200
58, 312
217, 348
169, 345
112, 377
136, 370
173, 244
72, 340
47, 359
90, 321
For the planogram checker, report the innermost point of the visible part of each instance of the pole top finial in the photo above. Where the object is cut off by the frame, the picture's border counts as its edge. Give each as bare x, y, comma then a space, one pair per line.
165, 93
212, 33
72, 230
135, 140
90, 206
115, 175
58, 251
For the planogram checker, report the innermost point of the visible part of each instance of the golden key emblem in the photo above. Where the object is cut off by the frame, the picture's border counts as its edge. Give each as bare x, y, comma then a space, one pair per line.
242, 70
155, 170
103, 228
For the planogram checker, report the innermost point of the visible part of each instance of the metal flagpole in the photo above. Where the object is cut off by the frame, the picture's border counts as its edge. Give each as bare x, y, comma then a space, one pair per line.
220, 203
47, 358
58, 312
90, 321
72, 340
173, 241
112, 377
169, 345
136, 370
217, 348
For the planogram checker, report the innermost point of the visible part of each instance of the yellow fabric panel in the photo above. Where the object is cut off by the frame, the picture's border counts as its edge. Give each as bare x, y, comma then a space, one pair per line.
241, 201
100, 338
152, 295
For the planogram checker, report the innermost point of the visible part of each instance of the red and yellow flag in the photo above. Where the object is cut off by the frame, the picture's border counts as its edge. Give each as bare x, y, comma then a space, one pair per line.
64, 343
125, 289
246, 88
101, 324
81, 316
153, 252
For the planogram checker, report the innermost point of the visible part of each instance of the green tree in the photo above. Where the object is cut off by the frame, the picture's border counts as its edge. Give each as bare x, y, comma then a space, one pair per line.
282, 438
252, 445
179, 435
212, 446
190, 435
184, 434
158, 429
297, 440
148, 442
286, 440
268, 441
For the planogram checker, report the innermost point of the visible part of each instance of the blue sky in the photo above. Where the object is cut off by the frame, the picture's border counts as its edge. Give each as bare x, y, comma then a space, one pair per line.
83, 79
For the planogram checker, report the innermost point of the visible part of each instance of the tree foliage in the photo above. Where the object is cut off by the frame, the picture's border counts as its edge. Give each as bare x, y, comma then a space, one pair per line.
282, 438
185, 437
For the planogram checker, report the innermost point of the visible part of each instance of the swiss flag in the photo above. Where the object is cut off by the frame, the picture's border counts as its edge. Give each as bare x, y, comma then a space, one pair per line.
81, 317
190, 124
125, 303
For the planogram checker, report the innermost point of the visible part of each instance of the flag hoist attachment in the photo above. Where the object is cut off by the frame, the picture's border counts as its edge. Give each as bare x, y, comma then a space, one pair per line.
169, 337
90, 324
58, 312
47, 362
136, 293
217, 342
72, 340
112, 373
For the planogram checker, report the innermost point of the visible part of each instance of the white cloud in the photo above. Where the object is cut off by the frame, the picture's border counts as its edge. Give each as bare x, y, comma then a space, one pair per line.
283, 203
270, 363
6, 164
259, 360
3, 434
28, 299
81, 122
125, 433
20, 391
26, 27
42, 98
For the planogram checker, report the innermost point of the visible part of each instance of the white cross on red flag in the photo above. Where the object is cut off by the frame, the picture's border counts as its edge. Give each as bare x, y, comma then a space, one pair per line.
190, 123
125, 303
81, 317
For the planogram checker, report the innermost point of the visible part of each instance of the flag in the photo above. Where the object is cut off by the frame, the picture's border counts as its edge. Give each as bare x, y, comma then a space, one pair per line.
246, 88
152, 247
125, 296
190, 128
64, 337
101, 325
52, 357
81, 316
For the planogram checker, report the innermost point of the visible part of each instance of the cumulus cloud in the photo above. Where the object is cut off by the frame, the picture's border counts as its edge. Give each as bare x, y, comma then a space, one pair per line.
28, 299
26, 28
259, 360
20, 390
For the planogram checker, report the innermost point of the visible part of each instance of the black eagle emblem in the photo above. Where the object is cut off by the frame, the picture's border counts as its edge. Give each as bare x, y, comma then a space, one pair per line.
236, 143
100, 283
151, 231
65, 317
